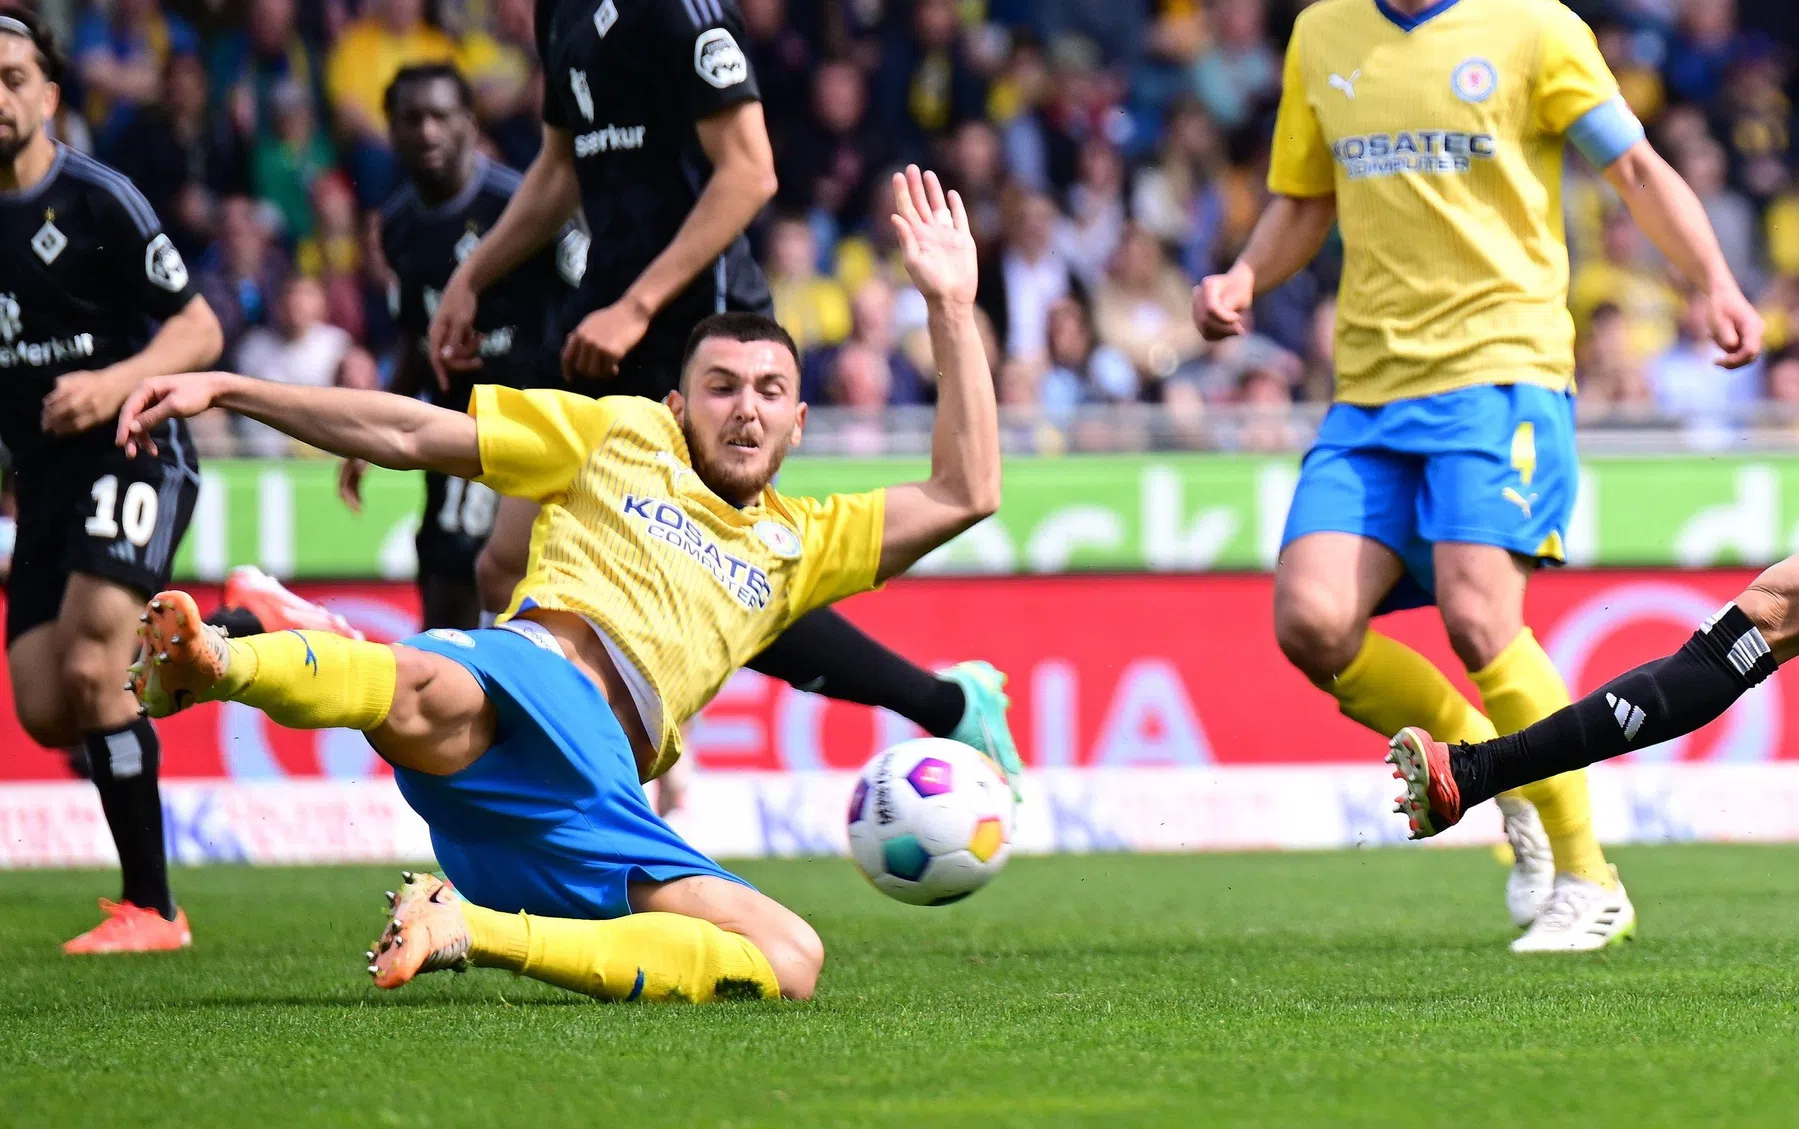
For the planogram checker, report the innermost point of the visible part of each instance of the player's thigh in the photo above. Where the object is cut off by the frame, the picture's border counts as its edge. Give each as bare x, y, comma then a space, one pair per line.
34, 639
1480, 594
441, 720
98, 632
791, 945
502, 561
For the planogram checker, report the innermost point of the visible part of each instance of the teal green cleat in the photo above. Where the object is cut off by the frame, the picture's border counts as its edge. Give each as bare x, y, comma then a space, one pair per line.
983, 725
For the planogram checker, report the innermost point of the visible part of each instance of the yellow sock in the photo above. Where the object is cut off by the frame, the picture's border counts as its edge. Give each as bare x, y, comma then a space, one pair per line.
1522, 687
1389, 686
311, 679
661, 957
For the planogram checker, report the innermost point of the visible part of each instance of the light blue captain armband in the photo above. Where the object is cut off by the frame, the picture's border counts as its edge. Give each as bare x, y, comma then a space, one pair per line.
1605, 132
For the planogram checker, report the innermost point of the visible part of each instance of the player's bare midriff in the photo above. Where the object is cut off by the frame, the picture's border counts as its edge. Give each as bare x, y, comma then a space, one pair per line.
581, 646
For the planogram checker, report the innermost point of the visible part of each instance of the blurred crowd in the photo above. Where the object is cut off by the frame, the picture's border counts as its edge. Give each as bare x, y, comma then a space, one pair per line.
1110, 152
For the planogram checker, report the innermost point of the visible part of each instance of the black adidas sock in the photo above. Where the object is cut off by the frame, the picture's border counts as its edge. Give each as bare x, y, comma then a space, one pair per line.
236, 622
124, 763
823, 653
1656, 702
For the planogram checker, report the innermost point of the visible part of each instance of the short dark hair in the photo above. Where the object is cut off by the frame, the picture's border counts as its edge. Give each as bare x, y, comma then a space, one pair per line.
428, 72
738, 326
50, 58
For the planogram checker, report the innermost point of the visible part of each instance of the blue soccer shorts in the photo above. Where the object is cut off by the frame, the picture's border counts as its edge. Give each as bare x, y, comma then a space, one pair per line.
552, 819
1489, 465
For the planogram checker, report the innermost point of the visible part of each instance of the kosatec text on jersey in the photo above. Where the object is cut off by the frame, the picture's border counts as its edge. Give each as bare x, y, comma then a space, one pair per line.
1411, 150
665, 522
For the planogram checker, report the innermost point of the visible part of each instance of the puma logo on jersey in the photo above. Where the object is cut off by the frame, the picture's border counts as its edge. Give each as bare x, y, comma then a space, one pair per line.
1346, 85
610, 139
1511, 495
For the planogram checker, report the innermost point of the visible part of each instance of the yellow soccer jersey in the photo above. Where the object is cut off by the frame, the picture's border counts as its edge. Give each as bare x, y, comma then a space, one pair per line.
1441, 137
686, 585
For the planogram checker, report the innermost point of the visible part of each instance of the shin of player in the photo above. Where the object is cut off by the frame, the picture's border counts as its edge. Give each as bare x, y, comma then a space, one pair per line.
89, 268
524, 747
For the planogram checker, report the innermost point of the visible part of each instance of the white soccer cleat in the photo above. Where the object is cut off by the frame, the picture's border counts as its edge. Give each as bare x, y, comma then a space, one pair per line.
1532, 878
1580, 917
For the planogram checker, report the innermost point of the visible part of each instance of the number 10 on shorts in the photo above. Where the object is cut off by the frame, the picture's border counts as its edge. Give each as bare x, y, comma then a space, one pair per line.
135, 516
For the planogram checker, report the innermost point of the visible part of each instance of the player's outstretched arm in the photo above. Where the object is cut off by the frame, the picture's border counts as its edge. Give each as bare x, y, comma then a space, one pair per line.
964, 486
546, 198
1286, 238
1675, 220
387, 430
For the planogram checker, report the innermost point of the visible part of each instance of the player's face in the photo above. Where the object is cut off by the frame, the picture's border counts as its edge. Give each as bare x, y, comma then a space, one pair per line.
27, 99
431, 129
741, 413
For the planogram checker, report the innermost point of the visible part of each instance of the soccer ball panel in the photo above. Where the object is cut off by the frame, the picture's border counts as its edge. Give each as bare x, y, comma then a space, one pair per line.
930, 821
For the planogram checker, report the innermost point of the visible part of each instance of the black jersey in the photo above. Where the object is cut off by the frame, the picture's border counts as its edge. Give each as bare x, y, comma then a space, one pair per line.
518, 317
628, 79
85, 273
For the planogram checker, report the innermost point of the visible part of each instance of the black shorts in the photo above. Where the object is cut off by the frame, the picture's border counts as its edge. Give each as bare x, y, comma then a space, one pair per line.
91, 509
457, 521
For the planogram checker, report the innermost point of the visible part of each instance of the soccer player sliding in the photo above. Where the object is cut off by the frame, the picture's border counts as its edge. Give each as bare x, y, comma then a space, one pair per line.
1433, 134
661, 561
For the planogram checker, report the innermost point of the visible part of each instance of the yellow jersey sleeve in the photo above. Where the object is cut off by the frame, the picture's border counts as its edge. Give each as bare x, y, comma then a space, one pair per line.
1572, 77
534, 443
841, 547
1301, 163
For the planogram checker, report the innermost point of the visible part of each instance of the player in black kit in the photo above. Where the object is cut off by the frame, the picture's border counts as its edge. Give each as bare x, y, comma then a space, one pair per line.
451, 200
85, 272
653, 129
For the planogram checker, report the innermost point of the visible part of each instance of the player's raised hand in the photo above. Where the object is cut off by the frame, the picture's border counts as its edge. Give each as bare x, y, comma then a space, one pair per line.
454, 346
160, 399
1221, 301
82, 400
934, 234
349, 483
598, 345
1736, 328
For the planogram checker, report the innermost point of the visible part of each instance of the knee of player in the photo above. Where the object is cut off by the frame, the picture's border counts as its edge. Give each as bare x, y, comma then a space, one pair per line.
91, 673
1479, 628
1316, 633
797, 956
47, 723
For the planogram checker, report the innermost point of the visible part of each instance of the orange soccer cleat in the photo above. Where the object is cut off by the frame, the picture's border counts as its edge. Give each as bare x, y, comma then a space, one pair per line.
1432, 802
264, 597
425, 932
179, 659
132, 929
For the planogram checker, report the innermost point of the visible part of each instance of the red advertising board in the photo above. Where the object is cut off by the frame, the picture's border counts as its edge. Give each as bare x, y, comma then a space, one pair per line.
1106, 671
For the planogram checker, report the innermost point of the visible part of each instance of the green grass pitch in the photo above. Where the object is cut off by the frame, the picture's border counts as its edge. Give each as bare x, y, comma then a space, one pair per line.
1366, 988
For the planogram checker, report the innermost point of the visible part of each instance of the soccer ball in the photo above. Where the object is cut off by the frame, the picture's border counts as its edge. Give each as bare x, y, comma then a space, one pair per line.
930, 821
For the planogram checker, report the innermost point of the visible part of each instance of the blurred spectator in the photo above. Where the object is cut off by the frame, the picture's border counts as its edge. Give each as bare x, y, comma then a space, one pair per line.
1755, 121
290, 159
976, 169
1082, 370
926, 83
1239, 70
1090, 233
810, 306
1630, 279
828, 163
1032, 276
178, 158
248, 66
1144, 308
391, 35
1175, 198
782, 60
1613, 385
1703, 46
1638, 80
873, 329
301, 347
242, 275
1265, 403
860, 378
1783, 384
1702, 165
120, 56
499, 69
333, 253
1690, 387
1117, 27
1318, 377
1038, 152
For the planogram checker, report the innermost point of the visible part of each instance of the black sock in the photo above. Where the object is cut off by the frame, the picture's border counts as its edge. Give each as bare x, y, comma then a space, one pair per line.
1656, 702
124, 763
236, 622
823, 653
